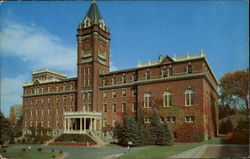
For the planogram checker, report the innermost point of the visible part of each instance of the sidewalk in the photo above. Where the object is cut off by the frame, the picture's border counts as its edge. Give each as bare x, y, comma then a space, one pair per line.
192, 153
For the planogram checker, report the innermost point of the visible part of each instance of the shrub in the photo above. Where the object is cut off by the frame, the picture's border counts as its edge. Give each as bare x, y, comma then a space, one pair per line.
4, 150
60, 152
39, 149
53, 156
23, 149
52, 150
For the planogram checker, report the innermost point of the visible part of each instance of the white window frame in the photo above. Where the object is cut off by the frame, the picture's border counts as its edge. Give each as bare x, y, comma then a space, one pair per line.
189, 93
147, 100
166, 103
188, 119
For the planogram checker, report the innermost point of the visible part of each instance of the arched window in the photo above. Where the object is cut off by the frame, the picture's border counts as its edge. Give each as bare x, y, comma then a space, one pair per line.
167, 99
189, 97
147, 100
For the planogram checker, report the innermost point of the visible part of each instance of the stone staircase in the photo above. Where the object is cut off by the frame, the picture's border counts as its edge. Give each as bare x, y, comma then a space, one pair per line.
96, 136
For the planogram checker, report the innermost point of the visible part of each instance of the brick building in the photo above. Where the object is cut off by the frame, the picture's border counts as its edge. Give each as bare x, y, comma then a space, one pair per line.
182, 88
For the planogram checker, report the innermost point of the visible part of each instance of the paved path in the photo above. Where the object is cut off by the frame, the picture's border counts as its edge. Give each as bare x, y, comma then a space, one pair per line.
192, 153
221, 151
215, 151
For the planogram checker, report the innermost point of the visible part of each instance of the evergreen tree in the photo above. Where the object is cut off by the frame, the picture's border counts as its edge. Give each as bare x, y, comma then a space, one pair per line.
155, 129
167, 135
128, 131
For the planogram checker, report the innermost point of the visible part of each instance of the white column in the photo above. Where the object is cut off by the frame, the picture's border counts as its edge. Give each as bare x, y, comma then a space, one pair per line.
84, 124
68, 123
94, 123
64, 124
100, 123
90, 127
80, 124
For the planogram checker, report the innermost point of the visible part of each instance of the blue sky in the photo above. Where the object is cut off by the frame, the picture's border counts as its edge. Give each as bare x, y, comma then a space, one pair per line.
37, 35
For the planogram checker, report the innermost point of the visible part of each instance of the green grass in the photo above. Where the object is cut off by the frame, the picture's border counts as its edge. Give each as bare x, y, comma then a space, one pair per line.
163, 151
34, 154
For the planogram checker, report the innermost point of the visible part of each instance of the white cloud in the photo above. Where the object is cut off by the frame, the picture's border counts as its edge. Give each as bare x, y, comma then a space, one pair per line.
11, 91
37, 47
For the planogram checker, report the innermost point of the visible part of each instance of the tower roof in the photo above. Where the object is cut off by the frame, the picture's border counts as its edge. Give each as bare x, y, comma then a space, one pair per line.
93, 14
93, 17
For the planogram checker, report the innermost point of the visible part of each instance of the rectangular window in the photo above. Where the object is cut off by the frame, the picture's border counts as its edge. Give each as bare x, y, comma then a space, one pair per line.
114, 107
42, 100
170, 71
189, 69
114, 94
134, 107
48, 123
123, 79
124, 92
123, 107
64, 98
57, 99
134, 93
189, 119
113, 80
31, 124
89, 95
147, 120
113, 122
48, 100
71, 98
104, 95
48, 88
105, 108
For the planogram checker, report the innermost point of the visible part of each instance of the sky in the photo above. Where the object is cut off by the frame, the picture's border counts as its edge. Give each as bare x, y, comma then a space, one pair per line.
37, 35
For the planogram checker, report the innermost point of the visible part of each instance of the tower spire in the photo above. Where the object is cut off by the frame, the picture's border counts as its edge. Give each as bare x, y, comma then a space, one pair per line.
93, 17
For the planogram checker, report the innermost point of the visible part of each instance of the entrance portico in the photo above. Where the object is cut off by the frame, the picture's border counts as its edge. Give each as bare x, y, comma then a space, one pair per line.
82, 122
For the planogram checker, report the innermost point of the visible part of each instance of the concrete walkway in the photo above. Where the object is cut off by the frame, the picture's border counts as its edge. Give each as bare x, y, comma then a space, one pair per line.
215, 151
192, 153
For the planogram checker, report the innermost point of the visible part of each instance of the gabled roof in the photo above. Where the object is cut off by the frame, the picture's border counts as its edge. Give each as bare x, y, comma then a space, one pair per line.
167, 59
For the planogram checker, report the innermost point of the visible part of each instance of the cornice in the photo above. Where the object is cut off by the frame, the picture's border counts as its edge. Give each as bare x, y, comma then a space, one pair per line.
50, 93
162, 79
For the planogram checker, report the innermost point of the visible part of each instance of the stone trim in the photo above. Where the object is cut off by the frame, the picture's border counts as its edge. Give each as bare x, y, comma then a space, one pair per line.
49, 93
157, 80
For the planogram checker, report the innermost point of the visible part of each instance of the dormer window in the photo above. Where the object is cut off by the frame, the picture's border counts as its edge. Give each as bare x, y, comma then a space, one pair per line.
164, 72
102, 24
87, 22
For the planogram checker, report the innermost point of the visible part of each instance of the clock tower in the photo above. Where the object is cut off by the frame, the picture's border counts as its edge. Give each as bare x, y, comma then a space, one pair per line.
93, 56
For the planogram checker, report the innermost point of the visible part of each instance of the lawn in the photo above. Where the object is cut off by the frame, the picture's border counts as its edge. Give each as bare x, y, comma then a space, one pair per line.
163, 151
33, 154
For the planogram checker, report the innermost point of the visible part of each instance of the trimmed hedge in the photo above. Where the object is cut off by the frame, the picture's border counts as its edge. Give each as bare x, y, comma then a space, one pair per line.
78, 138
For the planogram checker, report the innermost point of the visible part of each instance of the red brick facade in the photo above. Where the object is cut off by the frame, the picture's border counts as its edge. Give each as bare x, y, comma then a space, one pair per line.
191, 106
